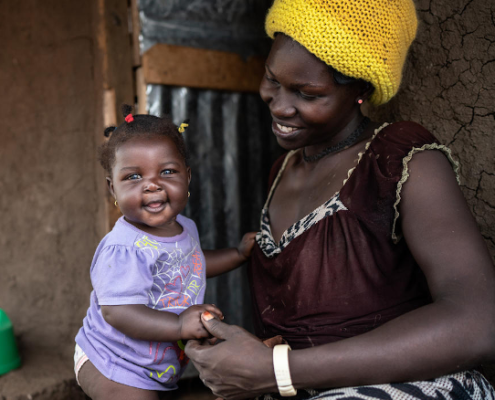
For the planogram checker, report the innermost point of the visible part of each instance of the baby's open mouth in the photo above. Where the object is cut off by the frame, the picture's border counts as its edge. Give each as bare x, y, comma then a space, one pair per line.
155, 206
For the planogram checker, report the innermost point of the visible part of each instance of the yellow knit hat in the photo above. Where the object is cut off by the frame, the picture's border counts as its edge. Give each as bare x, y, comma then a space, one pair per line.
363, 39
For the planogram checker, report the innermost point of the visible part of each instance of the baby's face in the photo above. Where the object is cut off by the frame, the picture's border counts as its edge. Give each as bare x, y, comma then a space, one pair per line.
150, 181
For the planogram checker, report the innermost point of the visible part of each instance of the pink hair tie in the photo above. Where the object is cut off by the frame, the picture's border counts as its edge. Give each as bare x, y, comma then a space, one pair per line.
129, 118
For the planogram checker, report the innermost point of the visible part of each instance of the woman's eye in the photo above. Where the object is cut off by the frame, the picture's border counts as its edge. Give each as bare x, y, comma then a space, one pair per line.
307, 96
132, 177
271, 80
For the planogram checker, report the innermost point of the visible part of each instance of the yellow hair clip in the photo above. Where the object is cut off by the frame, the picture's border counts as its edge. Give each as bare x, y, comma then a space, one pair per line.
182, 127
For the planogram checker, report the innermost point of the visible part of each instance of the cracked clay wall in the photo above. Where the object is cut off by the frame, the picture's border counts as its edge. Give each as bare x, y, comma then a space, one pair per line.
49, 202
449, 87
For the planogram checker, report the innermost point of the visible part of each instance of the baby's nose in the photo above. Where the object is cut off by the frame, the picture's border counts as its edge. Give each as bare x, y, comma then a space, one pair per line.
152, 186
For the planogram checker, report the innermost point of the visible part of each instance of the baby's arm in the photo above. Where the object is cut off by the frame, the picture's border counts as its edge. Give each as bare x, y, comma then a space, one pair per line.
225, 260
143, 323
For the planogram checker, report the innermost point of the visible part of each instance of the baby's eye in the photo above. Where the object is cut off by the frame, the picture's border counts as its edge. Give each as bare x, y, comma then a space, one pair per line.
168, 171
132, 177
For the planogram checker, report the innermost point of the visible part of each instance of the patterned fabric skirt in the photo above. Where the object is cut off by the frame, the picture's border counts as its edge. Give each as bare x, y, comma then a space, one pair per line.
467, 385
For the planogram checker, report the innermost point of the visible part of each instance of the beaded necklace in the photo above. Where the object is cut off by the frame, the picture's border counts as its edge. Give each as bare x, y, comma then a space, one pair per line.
347, 142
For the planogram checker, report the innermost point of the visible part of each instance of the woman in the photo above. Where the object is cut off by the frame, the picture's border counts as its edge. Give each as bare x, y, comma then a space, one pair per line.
368, 263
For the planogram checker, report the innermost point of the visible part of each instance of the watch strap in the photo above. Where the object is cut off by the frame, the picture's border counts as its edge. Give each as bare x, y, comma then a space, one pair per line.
282, 372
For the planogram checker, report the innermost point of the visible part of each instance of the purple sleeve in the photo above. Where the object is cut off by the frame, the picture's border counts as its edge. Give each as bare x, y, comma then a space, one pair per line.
121, 275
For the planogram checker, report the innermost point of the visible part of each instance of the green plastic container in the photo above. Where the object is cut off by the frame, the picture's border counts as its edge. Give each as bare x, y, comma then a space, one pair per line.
9, 354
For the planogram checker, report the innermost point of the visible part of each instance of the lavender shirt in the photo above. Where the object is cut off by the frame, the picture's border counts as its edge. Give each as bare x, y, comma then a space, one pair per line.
133, 267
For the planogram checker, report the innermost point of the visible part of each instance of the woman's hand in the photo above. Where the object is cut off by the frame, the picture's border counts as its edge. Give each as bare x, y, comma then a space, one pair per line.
239, 366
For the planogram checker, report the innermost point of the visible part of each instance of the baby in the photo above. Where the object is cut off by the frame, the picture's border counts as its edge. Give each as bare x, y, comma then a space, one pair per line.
149, 273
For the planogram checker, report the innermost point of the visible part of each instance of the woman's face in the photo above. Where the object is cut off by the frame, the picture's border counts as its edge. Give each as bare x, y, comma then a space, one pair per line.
150, 181
307, 106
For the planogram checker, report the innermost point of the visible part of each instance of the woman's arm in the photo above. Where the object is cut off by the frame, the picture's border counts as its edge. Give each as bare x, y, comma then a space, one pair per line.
453, 333
143, 323
225, 260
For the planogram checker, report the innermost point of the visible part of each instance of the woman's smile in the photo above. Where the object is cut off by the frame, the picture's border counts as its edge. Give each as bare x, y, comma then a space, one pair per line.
284, 131
307, 106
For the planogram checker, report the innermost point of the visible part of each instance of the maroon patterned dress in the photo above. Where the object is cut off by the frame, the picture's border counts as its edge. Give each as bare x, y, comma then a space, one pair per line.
342, 270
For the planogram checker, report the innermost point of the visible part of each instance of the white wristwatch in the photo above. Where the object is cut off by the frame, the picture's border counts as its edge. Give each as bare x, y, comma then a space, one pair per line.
282, 373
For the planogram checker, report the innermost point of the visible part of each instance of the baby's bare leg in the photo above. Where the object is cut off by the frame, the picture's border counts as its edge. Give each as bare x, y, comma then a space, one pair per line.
98, 387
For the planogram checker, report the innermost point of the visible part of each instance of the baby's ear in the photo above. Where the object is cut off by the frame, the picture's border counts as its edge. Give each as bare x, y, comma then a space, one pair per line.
110, 186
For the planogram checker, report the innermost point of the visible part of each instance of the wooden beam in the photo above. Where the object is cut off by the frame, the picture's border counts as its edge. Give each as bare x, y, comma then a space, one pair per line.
199, 68
136, 28
141, 91
114, 43
116, 60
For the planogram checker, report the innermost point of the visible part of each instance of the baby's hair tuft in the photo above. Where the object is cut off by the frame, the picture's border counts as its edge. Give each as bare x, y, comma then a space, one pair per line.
126, 110
108, 131
138, 126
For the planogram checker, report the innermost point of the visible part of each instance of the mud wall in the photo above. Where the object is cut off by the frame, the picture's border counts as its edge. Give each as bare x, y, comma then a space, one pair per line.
50, 203
449, 87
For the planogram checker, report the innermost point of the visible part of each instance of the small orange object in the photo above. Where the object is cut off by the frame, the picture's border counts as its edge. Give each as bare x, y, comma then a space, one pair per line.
207, 316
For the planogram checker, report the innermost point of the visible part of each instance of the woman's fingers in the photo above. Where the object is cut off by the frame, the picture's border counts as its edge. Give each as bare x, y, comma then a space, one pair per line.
216, 327
238, 362
194, 348
213, 340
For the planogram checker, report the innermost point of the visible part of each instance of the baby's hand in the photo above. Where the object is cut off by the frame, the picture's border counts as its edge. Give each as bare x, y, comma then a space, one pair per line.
190, 325
246, 245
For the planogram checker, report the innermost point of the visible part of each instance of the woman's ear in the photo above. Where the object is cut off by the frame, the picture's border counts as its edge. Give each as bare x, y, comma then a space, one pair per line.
188, 175
365, 92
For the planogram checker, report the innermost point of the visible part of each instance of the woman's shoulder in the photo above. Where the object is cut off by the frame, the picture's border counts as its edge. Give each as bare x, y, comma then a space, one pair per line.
402, 136
394, 143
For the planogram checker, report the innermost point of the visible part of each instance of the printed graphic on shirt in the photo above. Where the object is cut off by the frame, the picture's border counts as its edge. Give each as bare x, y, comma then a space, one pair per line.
178, 283
168, 370
178, 276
